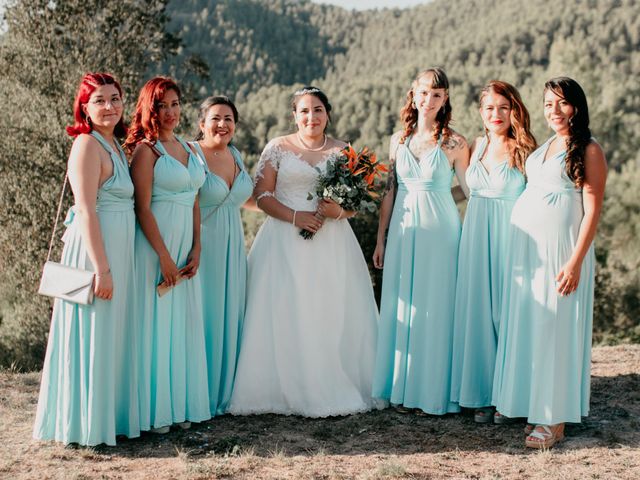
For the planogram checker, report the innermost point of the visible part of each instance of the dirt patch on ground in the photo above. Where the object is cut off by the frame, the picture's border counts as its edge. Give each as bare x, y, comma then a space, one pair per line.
376, 445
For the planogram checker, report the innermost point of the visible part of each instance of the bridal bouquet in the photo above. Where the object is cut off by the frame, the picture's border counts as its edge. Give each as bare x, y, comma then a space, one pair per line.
349, 180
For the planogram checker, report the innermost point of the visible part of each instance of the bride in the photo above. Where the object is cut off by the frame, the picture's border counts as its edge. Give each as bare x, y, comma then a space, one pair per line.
308, 341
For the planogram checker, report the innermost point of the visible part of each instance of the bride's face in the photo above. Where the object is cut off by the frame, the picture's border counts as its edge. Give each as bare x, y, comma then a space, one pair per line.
310, 116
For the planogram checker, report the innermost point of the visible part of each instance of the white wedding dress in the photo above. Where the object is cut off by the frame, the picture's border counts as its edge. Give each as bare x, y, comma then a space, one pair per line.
309, 335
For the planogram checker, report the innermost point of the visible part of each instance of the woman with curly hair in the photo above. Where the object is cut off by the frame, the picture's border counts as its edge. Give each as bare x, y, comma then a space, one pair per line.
167, 175
413, 360
495, 179
544, 348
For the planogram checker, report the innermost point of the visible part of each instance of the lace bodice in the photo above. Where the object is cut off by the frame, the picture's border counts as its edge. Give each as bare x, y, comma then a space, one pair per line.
296, 179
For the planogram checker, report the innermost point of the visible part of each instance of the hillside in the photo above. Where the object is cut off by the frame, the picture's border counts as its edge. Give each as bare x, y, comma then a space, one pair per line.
258, 52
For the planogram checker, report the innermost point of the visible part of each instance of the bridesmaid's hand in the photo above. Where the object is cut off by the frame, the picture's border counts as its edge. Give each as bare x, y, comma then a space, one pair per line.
329, 208
169, 271
193, 263
568, 278
378, 256
310, 221
103, 286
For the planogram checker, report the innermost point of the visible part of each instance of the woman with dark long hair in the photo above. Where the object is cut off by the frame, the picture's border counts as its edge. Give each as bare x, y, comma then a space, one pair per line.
89, 381
413, 362
308, 338
223, 272
167, 175
495, 179
544, 348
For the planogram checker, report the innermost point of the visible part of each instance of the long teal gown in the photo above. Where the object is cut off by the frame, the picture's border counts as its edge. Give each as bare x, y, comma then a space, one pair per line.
413, 360
89, 391
481, 270
544, 348
173, 363
223, 273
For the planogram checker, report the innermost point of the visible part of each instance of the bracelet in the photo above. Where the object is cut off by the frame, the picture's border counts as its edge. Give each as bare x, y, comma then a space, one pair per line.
293, 222
108, 272
341, 213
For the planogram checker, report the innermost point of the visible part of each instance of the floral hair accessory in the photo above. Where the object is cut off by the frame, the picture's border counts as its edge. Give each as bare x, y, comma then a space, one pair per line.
306, 91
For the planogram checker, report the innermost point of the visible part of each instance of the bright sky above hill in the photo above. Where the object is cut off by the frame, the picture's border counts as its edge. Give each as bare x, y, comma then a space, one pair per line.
364, 4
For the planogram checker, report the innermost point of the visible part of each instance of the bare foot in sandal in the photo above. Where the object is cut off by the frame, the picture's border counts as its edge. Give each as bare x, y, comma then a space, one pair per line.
544, 436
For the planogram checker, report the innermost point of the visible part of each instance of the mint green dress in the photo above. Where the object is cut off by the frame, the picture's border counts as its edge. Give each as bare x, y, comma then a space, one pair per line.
88, 393
544, 348
172, 358
413, 360
481, 271
223, 273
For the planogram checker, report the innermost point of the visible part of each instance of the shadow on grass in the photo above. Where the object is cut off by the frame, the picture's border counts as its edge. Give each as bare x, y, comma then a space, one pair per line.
614, 422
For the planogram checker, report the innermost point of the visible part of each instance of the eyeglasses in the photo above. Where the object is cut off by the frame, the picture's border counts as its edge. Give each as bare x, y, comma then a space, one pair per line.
101, 102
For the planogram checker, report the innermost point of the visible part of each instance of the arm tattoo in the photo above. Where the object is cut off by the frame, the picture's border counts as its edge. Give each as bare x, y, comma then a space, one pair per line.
454, 142
391, 179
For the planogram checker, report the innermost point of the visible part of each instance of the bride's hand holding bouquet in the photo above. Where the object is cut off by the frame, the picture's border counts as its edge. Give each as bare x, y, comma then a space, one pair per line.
347, 186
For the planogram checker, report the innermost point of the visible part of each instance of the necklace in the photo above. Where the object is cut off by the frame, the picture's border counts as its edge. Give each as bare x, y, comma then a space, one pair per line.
309, 149
213, 151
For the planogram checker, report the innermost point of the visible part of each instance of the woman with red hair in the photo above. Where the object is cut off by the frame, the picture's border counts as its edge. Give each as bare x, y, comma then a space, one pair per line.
89, 388
167, 176
495, 179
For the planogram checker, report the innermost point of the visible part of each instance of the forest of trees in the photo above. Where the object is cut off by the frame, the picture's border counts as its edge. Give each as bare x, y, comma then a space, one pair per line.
259, 51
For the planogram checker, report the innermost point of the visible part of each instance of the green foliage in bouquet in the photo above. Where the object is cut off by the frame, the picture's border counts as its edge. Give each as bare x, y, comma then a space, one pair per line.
349, 180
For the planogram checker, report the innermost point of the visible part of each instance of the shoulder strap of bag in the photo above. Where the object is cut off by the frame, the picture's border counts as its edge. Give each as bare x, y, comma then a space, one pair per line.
55, 224
216, 209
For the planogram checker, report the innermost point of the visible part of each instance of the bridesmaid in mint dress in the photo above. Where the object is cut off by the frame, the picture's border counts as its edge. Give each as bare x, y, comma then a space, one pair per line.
544, 350
89, 392
413, 360
223, 271
495, 181
167, 175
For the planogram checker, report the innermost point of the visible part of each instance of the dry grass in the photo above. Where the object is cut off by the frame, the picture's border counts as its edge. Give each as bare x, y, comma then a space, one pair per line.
377, 445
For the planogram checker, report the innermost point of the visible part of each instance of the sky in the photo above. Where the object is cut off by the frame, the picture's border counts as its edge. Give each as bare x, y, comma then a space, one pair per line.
364, 4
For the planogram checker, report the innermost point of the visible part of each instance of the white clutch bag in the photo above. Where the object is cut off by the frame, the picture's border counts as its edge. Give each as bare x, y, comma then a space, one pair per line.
61, 281
67, 283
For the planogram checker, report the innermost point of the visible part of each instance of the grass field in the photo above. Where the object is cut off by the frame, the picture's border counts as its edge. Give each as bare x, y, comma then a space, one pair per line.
376, 445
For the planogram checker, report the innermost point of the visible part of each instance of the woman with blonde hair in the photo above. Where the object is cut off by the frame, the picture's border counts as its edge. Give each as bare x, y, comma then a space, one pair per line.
413, 362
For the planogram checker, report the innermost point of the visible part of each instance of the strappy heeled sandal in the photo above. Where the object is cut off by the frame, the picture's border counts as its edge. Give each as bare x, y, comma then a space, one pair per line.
401, 409
484, 415
546, 438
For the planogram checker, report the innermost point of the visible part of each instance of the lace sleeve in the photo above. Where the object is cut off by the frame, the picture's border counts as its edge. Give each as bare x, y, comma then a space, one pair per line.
269, 159
267, 172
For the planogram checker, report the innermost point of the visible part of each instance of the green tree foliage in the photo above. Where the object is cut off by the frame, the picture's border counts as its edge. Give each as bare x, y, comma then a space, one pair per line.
48, 46
617, 308
260, 51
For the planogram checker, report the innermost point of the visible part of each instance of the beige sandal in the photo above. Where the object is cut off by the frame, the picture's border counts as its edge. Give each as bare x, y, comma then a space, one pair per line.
544, 436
